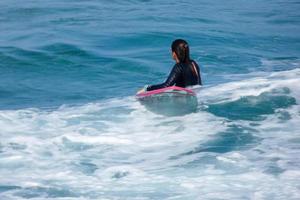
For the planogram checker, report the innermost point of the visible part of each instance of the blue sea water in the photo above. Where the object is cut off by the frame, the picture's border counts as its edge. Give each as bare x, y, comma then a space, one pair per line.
71, 128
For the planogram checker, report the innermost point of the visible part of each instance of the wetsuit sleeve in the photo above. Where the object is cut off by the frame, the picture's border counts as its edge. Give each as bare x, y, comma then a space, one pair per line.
171, 80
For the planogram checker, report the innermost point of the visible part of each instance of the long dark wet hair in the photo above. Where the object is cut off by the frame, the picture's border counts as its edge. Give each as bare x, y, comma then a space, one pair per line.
182, 51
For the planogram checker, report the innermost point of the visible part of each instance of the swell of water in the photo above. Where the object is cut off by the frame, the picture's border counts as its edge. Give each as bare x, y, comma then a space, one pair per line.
55, 53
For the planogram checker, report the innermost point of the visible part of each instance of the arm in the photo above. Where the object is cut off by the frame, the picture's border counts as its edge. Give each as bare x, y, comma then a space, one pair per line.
198, 72
171, 80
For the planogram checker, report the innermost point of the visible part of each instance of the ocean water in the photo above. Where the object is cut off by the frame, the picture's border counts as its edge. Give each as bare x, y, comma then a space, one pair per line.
71, 127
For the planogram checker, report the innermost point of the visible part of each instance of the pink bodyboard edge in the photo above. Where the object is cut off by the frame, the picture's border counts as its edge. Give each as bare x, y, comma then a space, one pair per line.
149, 93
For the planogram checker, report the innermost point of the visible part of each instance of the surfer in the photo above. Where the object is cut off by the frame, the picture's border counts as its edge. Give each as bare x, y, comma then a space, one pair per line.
185, 72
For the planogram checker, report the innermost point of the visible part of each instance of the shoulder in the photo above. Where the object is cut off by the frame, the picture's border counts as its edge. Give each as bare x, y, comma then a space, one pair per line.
177, 69
194, 62
177, 66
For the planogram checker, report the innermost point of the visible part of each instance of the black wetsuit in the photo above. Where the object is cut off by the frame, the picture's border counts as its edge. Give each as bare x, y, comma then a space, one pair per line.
182, 75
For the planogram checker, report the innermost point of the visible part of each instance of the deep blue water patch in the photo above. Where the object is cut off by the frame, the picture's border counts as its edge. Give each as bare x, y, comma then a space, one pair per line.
253, 108
4, 188
234, 138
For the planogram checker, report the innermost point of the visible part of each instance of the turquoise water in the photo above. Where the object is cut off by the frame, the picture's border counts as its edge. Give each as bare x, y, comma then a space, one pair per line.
71, 128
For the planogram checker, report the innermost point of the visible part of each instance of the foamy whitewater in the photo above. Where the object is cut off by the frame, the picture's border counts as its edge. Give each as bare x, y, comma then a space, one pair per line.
72, 129
116, 149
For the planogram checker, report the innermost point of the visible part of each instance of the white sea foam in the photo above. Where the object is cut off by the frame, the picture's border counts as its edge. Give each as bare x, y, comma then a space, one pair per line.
254, 86
117, 148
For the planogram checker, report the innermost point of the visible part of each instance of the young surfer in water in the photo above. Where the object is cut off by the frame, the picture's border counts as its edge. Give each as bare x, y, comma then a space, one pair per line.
184, 73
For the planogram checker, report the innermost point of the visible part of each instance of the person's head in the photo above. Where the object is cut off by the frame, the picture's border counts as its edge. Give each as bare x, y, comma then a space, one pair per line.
180, 51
